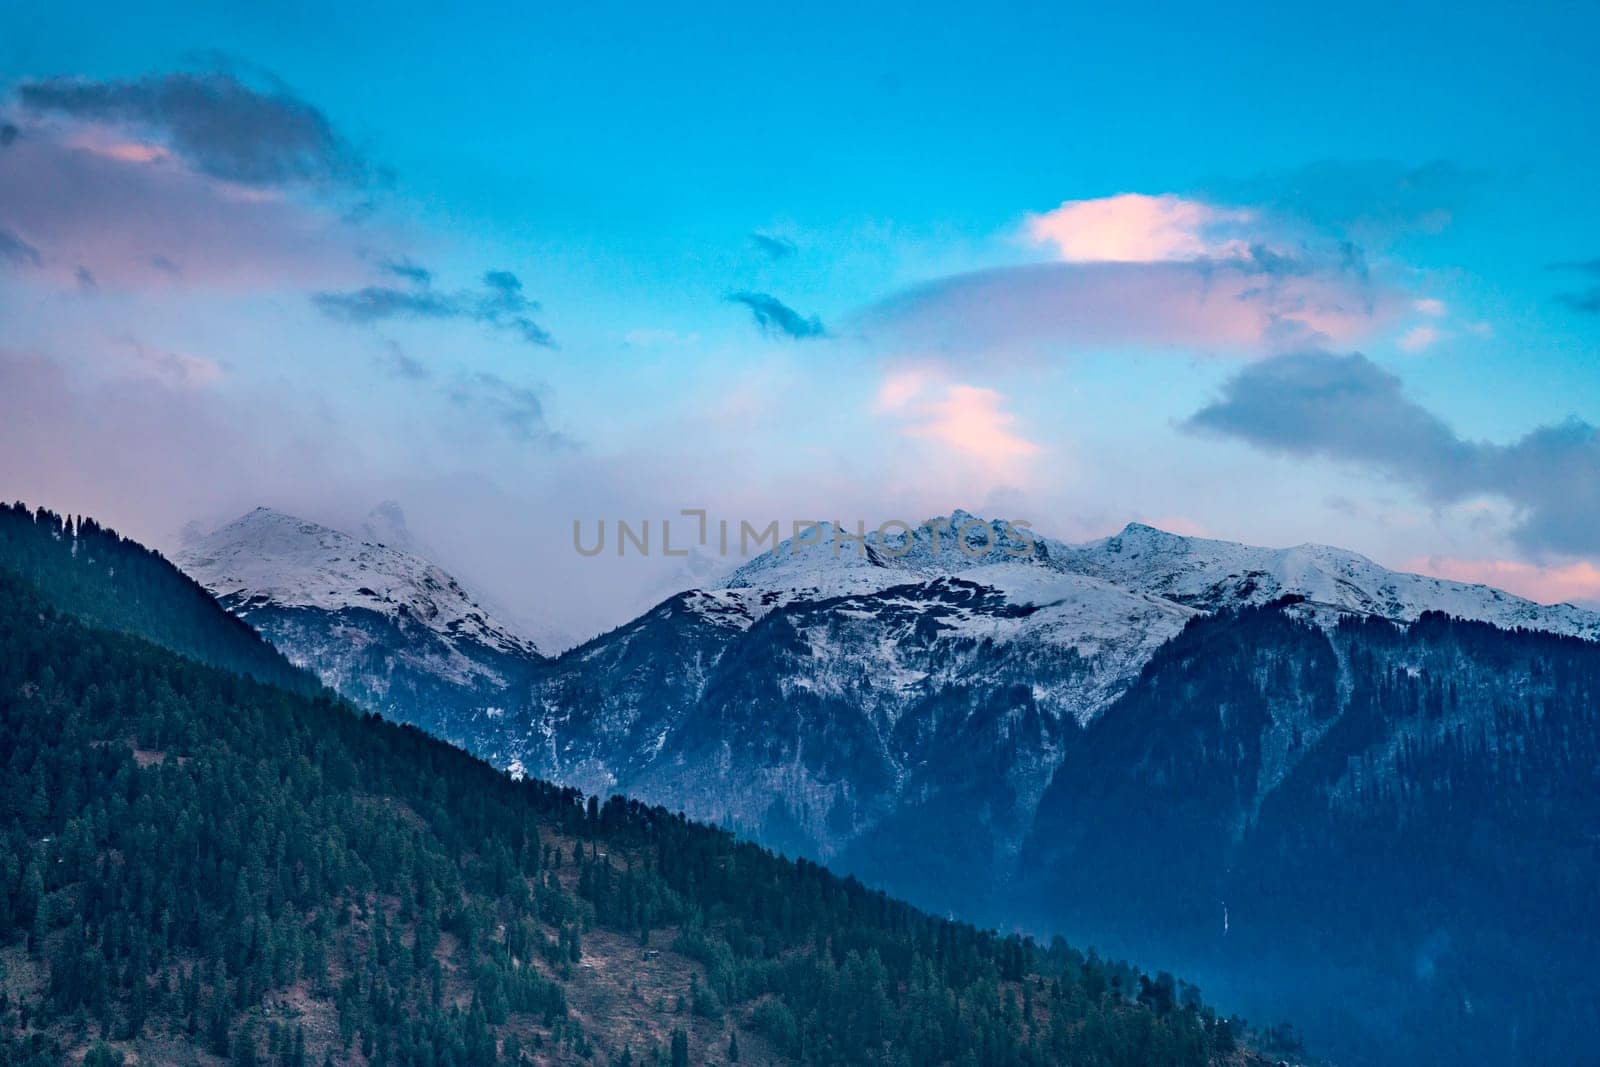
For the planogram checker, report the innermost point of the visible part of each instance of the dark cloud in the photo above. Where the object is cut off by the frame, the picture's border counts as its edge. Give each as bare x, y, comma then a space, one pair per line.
1368, 199
772, 246
378, 302
1587, 300
508, 309
8, 133
1349, 409
501, 305
220, 125
17, 252
404, 268
166, 266
85, 279
505, 285
774, 316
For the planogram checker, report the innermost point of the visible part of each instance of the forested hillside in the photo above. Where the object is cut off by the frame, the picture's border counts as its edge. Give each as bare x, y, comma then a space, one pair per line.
109, 581
196, 867
1389, 833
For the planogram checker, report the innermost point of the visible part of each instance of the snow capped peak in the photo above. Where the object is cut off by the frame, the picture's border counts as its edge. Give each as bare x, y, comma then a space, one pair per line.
827, 560
1210, 575
267, 557
830, 559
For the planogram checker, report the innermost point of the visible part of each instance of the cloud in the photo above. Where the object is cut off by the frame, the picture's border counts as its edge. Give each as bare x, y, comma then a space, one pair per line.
1570, 582
774, 316
130, 220
397, 363
1348, 409
1134, 228
404, 268
1370, 201
967, 419
1420, 338
1250, 305
1154, 271
500, 304
16, 252
773, 246
1588, 300
516, 409
375, 303
174, 369
220, 126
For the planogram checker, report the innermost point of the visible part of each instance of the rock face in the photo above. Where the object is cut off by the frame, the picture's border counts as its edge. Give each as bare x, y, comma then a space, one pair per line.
386, 628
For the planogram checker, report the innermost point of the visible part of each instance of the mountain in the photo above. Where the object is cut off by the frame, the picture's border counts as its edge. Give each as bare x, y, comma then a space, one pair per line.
847, 708
117, 584
897, 706
1213, 575
197, 868
1414, 807
384, 627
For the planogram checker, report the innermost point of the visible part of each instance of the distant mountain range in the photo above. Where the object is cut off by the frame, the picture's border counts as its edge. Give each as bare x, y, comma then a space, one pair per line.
1028, 735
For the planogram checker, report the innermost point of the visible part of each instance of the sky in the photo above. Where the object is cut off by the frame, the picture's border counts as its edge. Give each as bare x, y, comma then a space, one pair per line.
1275, 276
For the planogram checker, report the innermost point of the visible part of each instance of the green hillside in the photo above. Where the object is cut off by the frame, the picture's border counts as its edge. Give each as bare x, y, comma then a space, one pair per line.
108, 581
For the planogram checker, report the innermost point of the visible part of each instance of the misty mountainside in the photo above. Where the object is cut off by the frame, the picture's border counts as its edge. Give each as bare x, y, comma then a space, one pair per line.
200, 869
809, 700
900, 708
372, 620
1416, 808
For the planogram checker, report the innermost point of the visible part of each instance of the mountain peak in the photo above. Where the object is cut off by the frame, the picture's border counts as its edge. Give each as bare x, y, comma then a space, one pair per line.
269, 557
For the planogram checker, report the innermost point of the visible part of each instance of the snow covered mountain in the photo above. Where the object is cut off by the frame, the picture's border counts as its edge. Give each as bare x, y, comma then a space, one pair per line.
386, 628
896, 706
1209, 575
870, 702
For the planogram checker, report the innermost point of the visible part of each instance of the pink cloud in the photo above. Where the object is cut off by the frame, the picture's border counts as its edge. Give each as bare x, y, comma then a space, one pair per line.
1231, 307
1135, 228
1545, 584
969, 420
1420, 338
137, 216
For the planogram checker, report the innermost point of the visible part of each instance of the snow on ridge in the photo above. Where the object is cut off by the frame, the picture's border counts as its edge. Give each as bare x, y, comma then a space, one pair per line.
294, 563
1198, 573
1211, 574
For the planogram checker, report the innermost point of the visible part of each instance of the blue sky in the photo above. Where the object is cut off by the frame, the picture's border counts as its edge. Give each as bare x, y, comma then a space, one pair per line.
809, 262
